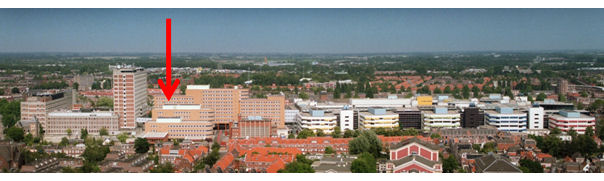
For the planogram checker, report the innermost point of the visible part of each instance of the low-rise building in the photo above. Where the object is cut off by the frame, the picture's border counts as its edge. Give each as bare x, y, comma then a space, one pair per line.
567, 120
333, 164
59, 122
254, 126
380, 102
414, 156
495, 164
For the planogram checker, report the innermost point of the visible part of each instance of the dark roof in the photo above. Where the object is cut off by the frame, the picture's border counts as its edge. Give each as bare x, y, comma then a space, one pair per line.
492, 164
413, 140
417, 158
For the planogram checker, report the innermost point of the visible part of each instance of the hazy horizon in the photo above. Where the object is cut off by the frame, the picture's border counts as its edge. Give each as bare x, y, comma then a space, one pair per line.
300, 31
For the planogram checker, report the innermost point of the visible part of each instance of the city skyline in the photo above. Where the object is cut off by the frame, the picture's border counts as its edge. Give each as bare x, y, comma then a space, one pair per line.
335, 31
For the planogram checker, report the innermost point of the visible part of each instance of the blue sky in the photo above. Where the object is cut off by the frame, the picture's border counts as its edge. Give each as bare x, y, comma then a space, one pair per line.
300, 30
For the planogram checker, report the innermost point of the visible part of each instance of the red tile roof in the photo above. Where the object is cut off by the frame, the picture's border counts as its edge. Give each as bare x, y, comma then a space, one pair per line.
275, 166
225, 161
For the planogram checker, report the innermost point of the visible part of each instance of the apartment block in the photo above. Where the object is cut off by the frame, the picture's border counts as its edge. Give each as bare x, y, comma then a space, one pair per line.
129, 94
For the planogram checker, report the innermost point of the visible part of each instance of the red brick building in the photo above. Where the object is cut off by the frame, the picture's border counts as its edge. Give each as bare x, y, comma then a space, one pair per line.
414, 156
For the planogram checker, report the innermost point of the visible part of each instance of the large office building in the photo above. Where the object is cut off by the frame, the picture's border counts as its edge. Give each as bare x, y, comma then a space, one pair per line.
60, 121
37, 106
410, 118
472, 117
182, 122
378, 118
441, 117
129, 94
567, 120
317, 120
506, 119
229, 104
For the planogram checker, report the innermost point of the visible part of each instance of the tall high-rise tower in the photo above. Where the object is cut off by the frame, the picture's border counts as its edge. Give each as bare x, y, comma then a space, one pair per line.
129, 94
562, 86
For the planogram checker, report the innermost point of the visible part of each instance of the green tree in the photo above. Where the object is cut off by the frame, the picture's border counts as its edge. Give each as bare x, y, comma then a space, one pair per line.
368, 142
465, 92
435, 135
365, 163
475, 91
305, 133
589, 131
94, 153
561, 97
9, 120
556, 131
104, 102
64, 142
348, 133
329, 150
15, 134
141, 145
75, 85
29, 139
541, 97
410, 132
103, 132
122, 137
530, 166
15, 90
303, 95
69, 132
163, 168
450, 164
337, 133
300, 165
320, 133
83, 134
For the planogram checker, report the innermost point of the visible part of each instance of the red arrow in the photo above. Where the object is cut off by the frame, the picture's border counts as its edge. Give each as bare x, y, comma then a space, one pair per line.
168, 88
